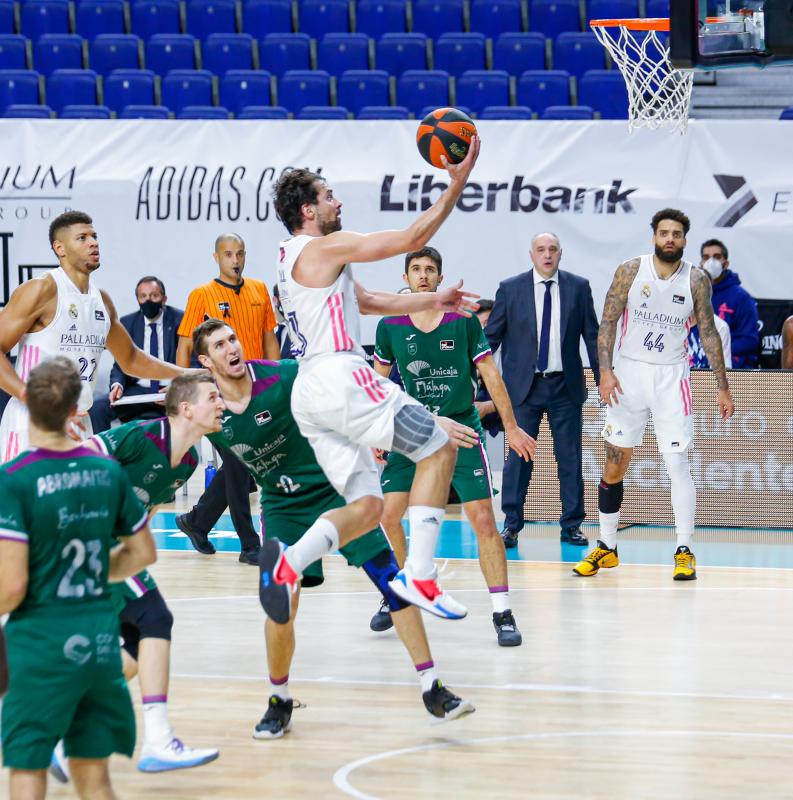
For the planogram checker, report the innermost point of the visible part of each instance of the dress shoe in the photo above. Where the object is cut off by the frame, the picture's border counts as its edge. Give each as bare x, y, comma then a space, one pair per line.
574, 536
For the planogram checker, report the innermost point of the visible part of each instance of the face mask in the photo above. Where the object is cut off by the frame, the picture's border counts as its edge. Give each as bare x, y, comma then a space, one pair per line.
713, 267
150, 309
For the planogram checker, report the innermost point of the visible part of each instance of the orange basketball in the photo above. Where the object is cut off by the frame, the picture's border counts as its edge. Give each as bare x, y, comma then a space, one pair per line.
445, 132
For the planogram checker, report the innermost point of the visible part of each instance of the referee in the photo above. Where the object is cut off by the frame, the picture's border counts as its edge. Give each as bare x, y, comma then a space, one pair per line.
245, 305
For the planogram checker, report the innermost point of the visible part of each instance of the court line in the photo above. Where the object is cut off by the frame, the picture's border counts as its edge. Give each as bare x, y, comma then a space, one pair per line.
341, 776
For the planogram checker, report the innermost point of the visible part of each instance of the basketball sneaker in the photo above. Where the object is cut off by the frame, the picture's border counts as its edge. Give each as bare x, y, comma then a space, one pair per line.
277, 720
685, 565
443, 705
175, 754
277, 581
382, 621
427, 594
506, 629
59, 764
601, 556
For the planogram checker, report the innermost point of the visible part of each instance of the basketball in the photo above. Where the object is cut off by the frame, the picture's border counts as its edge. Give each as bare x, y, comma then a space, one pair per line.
445, 132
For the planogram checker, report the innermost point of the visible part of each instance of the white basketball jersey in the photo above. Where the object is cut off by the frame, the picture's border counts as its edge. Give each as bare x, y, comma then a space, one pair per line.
78, 331
656, 319
320, 321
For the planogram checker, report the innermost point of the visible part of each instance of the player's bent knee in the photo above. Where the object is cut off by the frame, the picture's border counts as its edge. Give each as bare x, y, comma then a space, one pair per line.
150, 615
381, 569
372, 509
416, 433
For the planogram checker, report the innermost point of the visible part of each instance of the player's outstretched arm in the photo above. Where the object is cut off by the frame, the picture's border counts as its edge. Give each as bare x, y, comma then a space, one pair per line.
389, 304
13, 574
132, 555
616, 300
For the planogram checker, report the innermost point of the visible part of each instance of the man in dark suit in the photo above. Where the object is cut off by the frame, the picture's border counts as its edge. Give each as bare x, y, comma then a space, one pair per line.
538, 319
153, 329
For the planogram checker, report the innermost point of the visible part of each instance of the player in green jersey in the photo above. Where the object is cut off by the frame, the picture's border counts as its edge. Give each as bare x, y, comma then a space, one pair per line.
69, 523
3, 665
258, 427
437, 355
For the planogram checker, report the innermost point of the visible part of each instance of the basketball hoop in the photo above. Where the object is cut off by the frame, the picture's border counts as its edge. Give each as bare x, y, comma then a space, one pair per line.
659, 95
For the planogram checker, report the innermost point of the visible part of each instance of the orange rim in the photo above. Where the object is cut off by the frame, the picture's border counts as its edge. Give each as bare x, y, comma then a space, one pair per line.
652, 24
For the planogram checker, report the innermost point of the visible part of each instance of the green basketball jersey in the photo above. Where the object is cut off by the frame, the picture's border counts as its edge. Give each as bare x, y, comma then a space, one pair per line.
437, 368
69, 507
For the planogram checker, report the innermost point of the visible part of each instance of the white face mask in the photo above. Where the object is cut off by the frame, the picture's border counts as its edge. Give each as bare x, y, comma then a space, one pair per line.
713, 267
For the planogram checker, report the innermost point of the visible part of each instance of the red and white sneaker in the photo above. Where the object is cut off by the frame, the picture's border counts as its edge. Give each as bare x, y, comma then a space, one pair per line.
426, 593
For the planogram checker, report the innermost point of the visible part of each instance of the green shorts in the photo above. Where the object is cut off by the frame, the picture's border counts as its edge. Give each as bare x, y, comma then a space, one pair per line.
131, 589
66, 683
289, 523
471, 479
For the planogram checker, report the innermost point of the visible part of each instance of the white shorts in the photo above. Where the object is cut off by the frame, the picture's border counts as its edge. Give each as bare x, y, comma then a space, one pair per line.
344, 409
663, 390
14, 430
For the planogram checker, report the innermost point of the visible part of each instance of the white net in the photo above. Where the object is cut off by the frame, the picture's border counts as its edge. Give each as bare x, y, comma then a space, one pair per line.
659, 96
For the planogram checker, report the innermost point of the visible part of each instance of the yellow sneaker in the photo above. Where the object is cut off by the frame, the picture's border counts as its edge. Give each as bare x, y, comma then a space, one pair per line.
601, 556
685, 565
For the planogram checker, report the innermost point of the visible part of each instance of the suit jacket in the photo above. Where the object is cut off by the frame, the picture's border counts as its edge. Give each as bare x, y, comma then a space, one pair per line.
135, 324
513, 326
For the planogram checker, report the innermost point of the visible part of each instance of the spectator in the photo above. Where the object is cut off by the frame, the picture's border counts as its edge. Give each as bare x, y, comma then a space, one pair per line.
696, 354
733, 304
245, 304
282, 329
540, 317
491, 421
787, 344
153, 328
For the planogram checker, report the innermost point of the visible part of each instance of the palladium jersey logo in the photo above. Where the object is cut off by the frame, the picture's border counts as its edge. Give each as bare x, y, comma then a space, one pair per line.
740, 200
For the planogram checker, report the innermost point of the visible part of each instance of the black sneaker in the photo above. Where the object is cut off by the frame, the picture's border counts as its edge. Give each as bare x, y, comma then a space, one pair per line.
277, 720
443, 705
510, 538
507, 630
200, 541
250, 556
382, 621
276, 598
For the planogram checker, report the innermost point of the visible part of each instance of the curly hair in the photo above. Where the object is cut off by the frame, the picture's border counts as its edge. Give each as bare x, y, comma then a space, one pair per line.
293, 189
670, 213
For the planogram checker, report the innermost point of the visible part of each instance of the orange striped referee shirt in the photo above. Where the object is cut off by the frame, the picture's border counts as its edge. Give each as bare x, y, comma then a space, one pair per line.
246, 308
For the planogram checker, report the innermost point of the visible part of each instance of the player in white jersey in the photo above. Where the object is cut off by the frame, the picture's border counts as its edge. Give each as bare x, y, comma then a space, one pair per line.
651, 301
63, 313
342, 406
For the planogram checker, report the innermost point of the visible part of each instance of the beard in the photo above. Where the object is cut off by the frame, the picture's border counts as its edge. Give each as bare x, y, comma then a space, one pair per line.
669, 256
327, 226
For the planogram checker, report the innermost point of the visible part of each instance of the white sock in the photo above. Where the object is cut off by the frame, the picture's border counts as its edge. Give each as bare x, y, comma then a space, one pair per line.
319, 540
608, 528
427, 675
684, 496
156, 726
499, 597
425, 527
280, 687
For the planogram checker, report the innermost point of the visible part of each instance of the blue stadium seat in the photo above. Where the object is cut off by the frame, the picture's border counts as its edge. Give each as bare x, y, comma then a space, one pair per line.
338, 52
435, 17
155, 16
18, 86
58, 51
578, 52
358, 88
494, 17
66, 87
111, 51
203, 112
383, 112
298, 88
787, 113
397, 52
517, 52
568, 112
322, 112
7, 24
318, 17
139, 111
100, 16
13, 51
125, 87
418, 88
44, 16
429, 109
77, 111
378, 17
505, 112
281, 52
187, 87
605, 91
612, 9
552, 17
657, 8
478, 88
27, 111
240, 88
457, 52
260, 17
167, 51
263, 112
210, 16
539, 89
225, 51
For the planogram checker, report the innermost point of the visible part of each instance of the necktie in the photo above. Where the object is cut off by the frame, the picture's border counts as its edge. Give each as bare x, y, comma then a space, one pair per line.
154, 350
545, 330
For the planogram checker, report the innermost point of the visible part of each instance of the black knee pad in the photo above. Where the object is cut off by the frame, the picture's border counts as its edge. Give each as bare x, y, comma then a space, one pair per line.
609, 497
381, 569
145, 617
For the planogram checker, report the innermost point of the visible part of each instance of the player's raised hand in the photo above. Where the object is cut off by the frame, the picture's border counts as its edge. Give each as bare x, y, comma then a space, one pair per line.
609, 387
725, 403
454, 299
523, 444
460, 435
461, 171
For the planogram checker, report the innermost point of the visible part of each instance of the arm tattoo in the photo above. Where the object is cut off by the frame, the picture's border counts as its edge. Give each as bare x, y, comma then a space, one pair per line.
616, 300
708, 334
